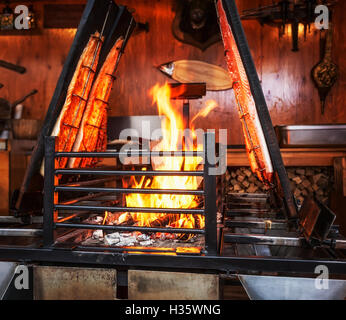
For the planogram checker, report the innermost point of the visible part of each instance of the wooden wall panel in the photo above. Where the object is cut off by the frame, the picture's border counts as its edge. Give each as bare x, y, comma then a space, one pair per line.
5, 182
285, 75
338, 99
43, 56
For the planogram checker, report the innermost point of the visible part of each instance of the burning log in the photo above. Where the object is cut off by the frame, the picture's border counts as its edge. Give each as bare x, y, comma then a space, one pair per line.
161, 222
110, 218
126, 219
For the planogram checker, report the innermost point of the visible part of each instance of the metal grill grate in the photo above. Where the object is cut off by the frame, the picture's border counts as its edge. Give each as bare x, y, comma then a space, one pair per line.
52, 187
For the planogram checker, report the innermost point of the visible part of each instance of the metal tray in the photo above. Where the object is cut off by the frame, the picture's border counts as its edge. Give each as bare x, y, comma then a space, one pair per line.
312, 135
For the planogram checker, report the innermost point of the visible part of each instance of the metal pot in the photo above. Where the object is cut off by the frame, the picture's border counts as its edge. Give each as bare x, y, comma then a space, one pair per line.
26, 129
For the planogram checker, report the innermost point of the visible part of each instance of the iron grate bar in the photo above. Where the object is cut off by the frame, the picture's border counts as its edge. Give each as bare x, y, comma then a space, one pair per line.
129, 153
128, 228
131, 190
128, 173
128, 209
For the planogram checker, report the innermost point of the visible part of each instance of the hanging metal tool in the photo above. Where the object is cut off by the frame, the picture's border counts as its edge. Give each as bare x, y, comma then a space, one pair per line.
287, 12
325, 73
13, 67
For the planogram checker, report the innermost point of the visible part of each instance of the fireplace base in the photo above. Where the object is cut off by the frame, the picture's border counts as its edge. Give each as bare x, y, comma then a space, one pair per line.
90, 283
159, 285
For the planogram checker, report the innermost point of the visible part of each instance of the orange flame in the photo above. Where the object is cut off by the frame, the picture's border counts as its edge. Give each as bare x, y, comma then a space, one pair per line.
105, 217
210, 106
172, 137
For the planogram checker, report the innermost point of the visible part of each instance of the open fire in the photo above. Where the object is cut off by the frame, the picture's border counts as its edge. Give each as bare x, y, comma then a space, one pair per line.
173, 139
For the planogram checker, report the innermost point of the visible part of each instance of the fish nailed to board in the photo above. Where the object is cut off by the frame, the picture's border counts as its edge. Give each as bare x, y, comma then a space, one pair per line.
195, 71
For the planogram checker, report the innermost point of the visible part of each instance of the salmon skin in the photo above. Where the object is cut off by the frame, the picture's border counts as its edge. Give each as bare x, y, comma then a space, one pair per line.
256, 146
68, 123
92, 135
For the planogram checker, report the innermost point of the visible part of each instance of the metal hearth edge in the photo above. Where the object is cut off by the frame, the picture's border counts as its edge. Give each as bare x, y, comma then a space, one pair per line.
192, 262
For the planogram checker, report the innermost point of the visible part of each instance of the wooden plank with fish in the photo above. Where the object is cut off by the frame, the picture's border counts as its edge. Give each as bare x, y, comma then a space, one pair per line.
194, 71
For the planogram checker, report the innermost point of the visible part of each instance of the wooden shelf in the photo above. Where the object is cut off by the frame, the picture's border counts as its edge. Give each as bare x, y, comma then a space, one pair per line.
292, 156
14, 32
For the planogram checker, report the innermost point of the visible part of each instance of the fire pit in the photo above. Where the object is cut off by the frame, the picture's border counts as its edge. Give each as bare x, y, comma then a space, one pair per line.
157, 217
167, 203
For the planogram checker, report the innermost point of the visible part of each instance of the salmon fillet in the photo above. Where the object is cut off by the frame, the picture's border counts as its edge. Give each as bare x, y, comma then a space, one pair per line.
255, 143
92, 135
68, 122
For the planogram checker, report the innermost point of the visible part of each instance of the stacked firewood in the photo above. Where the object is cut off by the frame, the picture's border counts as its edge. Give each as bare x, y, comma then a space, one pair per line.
305, 181
242, 180
309, 181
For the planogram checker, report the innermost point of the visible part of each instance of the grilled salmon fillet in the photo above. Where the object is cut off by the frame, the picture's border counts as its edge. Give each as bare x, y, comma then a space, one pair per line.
255, 143
92, 135
69, 120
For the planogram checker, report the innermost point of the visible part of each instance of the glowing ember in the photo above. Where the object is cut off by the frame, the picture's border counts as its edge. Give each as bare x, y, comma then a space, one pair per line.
172, 130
